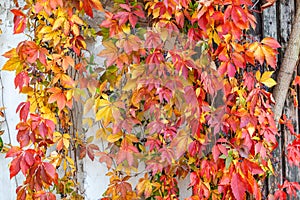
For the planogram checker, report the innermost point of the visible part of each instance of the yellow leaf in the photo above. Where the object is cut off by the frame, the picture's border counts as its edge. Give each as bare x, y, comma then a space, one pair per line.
256, 138
269, 82
259, 55
258, 75
114, 137
126, 29
13, 64
145, 186
70, 161
131, 138
101, 103
266, 75
75, 30
66, 140
69, 95
102, 133
57, 136
58, 23
46, 29
270, 166
156, 13
105, 114
48, 114
77, 20
251, 129
216, 38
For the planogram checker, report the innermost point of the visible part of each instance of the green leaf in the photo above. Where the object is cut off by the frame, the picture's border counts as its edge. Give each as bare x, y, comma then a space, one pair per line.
1, 144
228, 162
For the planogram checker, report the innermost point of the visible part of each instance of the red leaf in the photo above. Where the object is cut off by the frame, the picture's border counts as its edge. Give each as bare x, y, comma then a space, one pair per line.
21, 80
237, 186
20, 21
215, 152
133, 20
297, 80
292, 188
90, 151
231, 69
125, 6
253, 167
294, 153
14, 167
24, 110
104, 157
21, 192
23, 160
50, 171
89, 4
193, 179
280, 195
167, 155
126, 152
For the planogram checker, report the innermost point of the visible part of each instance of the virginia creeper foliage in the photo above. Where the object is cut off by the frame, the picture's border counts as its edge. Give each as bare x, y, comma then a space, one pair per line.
184, 92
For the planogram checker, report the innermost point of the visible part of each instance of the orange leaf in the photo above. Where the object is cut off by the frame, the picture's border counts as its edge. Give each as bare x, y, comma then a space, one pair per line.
271, 42
68, 61
270, 55
259, 55
57, 96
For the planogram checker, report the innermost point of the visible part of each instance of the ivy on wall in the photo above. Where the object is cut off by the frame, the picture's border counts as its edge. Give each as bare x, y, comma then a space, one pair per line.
184, 91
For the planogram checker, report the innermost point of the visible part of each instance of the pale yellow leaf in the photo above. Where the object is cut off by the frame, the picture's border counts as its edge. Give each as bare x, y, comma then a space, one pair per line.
131, 83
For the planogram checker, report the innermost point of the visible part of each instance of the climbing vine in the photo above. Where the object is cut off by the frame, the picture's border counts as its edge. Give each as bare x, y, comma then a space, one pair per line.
184, 90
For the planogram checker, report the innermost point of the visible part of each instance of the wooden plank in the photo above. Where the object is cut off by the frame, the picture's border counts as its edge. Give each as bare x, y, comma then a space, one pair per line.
290, 173
269, 19
287, 10
270, 27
